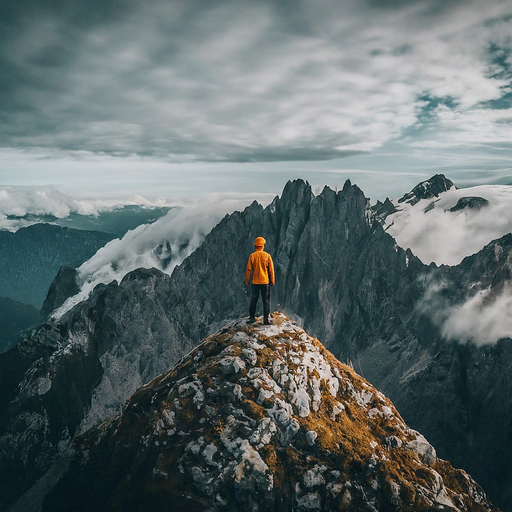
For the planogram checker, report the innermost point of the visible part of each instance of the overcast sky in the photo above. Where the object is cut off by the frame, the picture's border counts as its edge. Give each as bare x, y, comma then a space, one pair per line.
166, 97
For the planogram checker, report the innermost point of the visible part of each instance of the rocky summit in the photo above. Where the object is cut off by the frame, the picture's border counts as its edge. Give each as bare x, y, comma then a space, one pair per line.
260, 418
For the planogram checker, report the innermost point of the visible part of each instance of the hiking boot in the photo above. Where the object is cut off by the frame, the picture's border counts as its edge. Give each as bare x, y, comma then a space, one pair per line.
267, 322
251, 320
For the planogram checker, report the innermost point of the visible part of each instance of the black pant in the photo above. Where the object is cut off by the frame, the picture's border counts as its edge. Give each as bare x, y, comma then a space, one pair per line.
264, 289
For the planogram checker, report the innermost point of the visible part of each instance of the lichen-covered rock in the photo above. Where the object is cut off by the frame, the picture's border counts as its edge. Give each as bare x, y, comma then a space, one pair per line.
288, 427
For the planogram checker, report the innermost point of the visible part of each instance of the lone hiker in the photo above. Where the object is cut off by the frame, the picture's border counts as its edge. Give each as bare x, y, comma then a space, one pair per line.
262, 267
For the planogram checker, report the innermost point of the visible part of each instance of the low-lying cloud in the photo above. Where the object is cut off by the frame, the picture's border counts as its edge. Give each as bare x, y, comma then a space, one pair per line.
484, 318
23, 206
163, 244
480, 321
444, 237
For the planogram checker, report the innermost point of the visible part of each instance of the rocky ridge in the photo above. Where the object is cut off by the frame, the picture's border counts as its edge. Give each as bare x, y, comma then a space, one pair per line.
260, 418
63, 286
427, 189
470, 202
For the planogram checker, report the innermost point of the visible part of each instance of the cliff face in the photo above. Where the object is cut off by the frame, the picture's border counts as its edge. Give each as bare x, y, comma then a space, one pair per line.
260, 418
465, 380
73, 373
336, 269
338, 274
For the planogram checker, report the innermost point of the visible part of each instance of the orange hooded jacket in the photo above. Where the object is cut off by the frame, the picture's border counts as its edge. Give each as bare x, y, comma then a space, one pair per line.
262, 267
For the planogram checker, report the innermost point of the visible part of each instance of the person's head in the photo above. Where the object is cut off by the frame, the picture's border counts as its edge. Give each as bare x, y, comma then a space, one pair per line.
260, 242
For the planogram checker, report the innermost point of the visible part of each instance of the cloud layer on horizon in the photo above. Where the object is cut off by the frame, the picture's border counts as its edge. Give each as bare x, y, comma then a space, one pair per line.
23, 206
242, 81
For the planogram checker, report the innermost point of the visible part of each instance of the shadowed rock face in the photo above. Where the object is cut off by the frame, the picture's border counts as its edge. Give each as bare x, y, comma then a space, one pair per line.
73, 373
470, 203
338, 274
260, 418
14, 317
64, 285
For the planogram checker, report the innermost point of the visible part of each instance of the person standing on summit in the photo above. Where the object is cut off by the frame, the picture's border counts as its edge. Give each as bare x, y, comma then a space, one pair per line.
262, 267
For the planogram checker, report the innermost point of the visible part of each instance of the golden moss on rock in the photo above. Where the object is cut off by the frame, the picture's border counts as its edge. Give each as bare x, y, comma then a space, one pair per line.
263, 418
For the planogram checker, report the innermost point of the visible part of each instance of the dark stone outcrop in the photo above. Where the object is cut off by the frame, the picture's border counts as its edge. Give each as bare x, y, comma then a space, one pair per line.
383, 209
427, 189
469, 203
64, 285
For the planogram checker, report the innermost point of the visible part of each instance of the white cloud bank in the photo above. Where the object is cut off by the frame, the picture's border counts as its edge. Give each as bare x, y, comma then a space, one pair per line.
16, 203
163, 244
481, 319
445, 237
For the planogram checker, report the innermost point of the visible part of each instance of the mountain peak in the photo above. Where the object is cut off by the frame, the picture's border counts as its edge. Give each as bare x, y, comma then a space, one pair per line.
297, 191
260, 418
427, 189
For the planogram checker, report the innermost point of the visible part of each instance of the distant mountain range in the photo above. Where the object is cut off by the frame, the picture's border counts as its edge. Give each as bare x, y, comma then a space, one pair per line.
31, 257
116, 221
339, 275
15, 317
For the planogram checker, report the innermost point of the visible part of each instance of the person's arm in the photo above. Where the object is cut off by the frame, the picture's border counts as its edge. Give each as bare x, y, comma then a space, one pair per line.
271, 270
248, 270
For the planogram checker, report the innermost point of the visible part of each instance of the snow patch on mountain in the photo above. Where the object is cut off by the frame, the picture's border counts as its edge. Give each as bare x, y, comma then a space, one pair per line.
437, 234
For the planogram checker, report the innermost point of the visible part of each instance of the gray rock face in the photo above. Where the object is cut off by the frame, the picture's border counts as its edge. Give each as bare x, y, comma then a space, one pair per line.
75, 372
457, 395
383, 209
338, 274
64, 285
427, 189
